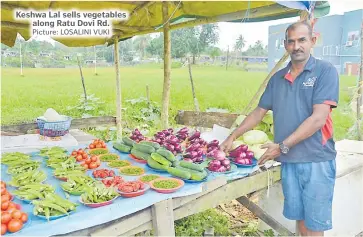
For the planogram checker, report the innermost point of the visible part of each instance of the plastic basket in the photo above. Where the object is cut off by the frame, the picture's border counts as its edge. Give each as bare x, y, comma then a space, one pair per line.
54, 129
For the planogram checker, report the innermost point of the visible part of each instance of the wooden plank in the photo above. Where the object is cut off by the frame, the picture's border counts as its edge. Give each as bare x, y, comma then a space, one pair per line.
76, 124
257, 211
228, 192
205, 119
137, 230
163, 218
125, 224
167, 67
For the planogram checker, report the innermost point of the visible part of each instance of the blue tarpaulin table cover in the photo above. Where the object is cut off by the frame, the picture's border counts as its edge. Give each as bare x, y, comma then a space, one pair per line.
86, 217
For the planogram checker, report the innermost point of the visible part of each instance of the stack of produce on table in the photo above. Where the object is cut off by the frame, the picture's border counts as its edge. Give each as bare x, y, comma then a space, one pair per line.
69, 163
241, 155
212, 147
103, 173
91, 163
183, 134
148, 177
51, 151
114, 181
125, 145
187, 170
108, 157
196, 148
76, 185
98, 194
166, 185
80, 155
33, 191
131, 186
169, 141
161, 159
137, 136
13, 158
142, 151
30, 177
220, 163
21, 166
118, 163
97, 151
254, 139
53, 205
132, 170
97, 143
67, 168
12, 218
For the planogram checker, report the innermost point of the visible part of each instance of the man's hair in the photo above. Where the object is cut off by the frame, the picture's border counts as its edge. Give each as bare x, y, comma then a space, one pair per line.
297, 24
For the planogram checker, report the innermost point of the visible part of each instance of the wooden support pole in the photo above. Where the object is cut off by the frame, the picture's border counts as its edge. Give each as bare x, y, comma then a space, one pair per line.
163, 218
118, 90
303, 16
360, 84
167, 68
196, 104
82, 79
257, 211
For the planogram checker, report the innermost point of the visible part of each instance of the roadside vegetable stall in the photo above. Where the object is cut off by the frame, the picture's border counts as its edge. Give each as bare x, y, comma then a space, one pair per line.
68, 206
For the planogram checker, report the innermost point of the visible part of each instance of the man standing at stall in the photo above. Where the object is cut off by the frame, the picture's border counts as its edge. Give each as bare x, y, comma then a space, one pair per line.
301, 97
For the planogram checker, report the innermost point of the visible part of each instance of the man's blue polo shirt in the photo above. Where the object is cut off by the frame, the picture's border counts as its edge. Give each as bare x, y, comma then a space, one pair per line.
292, 102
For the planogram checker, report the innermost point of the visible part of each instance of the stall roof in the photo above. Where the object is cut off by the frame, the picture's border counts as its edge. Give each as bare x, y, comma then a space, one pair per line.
146, 17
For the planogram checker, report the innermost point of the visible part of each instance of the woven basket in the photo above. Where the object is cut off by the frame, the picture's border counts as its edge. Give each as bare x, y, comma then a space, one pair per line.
54, 129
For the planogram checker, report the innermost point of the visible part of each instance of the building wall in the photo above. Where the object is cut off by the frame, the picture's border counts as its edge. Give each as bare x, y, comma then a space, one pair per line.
332, 35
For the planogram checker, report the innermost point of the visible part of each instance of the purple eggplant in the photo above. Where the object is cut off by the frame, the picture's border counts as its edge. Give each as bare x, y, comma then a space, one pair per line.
195, 135
215, 162
200, 153
250, 154
194, 154
225, 162
214, 143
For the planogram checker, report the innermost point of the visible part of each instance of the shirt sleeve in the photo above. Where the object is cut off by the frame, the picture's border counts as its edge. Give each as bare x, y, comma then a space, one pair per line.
266, 98
327, 88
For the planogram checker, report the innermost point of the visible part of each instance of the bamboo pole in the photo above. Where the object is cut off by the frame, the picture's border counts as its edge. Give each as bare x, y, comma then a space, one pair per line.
359, 99
303, 16
21, 61
118, 90
196, 104
167, 68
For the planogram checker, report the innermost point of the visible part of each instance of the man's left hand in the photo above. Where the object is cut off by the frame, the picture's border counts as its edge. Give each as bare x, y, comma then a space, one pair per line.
273, 151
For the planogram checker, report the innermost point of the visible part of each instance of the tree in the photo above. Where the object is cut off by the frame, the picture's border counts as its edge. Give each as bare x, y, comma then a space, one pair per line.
258, 49
214, 52
156, 47
141, 42
240, 43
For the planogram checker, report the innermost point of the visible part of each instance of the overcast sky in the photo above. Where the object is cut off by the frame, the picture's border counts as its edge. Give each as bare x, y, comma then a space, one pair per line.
228, 32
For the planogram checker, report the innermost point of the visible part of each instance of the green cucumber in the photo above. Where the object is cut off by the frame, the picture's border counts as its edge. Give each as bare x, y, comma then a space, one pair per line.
122, 147
167, 154
153, 164
160, 159
139, 154
153, 144
195, 175
179, 173
144, 148
128, 141
191, 166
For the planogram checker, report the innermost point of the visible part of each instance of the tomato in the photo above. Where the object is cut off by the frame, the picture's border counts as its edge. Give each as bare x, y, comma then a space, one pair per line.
98, 146
3, 190
87, 161
11, 204
74, 153
79, 158
5, 217
18, 206
94, 158
92, 165
16, 214
24, 217
104, 146
4, 228
5, 197
98, 162
84, 156
3, 184
91, 146
5, 205
85, 165
15, 225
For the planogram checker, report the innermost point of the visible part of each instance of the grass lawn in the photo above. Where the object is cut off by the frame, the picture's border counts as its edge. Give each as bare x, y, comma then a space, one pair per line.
25, 98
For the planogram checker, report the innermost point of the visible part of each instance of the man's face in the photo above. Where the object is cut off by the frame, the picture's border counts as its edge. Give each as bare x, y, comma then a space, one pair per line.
298, 43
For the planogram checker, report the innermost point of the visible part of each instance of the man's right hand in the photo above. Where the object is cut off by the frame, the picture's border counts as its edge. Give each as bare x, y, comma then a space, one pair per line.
227, 144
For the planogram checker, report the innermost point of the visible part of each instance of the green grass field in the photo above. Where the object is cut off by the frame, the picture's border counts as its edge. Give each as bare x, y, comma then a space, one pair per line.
25, 98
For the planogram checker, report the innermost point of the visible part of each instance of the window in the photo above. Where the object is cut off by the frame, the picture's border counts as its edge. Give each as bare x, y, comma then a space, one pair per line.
337, 50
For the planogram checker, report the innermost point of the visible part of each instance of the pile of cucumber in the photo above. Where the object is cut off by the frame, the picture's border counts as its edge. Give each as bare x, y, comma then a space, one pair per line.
188, 171
162, 159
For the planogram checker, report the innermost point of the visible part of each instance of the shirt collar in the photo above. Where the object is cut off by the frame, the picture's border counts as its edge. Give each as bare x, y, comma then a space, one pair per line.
309, 66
